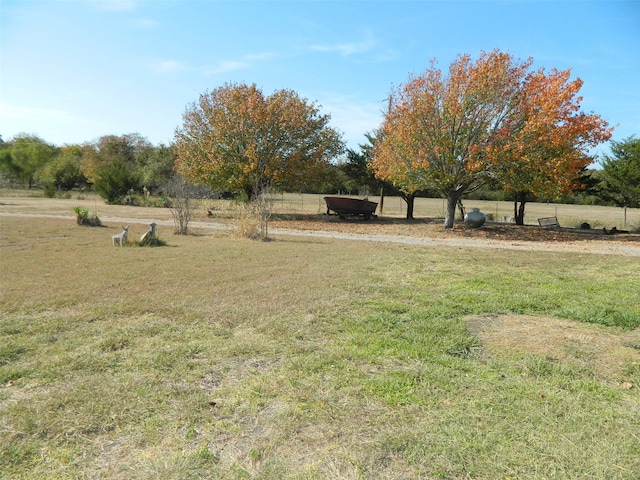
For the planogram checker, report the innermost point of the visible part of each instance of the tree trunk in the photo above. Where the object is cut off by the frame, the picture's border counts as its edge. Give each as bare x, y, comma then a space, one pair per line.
518, 207
450, 214
520, 216
248, 191
410, 199
381, 206
461, 209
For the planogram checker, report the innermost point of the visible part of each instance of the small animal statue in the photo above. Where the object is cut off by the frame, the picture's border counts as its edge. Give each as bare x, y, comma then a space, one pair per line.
149, 237
121, 238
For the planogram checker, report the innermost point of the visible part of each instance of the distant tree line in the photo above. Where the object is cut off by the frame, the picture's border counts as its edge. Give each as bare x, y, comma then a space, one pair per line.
116, 167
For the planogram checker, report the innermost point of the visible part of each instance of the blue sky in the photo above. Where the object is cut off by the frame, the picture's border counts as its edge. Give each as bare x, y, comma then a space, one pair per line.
74, 70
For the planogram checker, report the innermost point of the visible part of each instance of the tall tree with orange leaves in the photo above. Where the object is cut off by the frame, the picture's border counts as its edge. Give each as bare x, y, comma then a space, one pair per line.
547, 147
488, 120
238, 140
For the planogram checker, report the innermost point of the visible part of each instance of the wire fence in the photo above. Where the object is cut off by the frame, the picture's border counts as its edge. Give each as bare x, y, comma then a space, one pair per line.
568, 215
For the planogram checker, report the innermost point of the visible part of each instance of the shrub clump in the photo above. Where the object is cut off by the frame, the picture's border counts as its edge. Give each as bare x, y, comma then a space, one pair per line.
84, 217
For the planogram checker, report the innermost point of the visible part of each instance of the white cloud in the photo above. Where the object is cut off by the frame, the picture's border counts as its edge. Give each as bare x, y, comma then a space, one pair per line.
348, 49
226, 66
146, 23
223, 66
260, 57
353, 117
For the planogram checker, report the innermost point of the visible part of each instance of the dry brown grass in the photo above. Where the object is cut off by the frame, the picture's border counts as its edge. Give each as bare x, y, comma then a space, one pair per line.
603, 351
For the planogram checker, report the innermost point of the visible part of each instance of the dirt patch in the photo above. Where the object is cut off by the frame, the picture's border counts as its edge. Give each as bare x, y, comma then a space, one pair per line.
605, 351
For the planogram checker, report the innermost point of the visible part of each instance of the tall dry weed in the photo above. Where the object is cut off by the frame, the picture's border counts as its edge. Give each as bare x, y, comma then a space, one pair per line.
247, 221
252, 219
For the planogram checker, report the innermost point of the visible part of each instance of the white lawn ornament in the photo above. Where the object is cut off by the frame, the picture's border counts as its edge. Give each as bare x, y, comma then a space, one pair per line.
121, 238
149, 237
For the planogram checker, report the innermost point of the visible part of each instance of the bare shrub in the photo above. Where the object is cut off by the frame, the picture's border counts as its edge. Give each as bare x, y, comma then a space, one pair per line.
252, 219
246, 221
264, 208
181, 194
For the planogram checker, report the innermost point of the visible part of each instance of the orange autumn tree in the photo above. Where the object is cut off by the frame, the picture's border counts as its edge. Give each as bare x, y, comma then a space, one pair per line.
547, 148
456, 132
238, 140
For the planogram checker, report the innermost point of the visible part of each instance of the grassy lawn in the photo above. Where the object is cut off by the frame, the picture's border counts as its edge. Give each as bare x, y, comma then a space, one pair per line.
221, 358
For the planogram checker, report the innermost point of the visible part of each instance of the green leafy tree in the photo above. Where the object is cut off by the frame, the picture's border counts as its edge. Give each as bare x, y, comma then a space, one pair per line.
24, 156
113, 164
6, 162
64, 171
358, 176
620, 176
236, 139
109, 148
116, 180
155, 166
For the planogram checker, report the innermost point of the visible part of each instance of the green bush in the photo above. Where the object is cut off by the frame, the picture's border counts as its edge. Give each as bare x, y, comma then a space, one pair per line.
115, 181
50, 190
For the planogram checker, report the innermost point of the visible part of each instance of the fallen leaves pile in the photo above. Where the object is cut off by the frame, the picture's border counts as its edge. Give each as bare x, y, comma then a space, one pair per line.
433, 228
